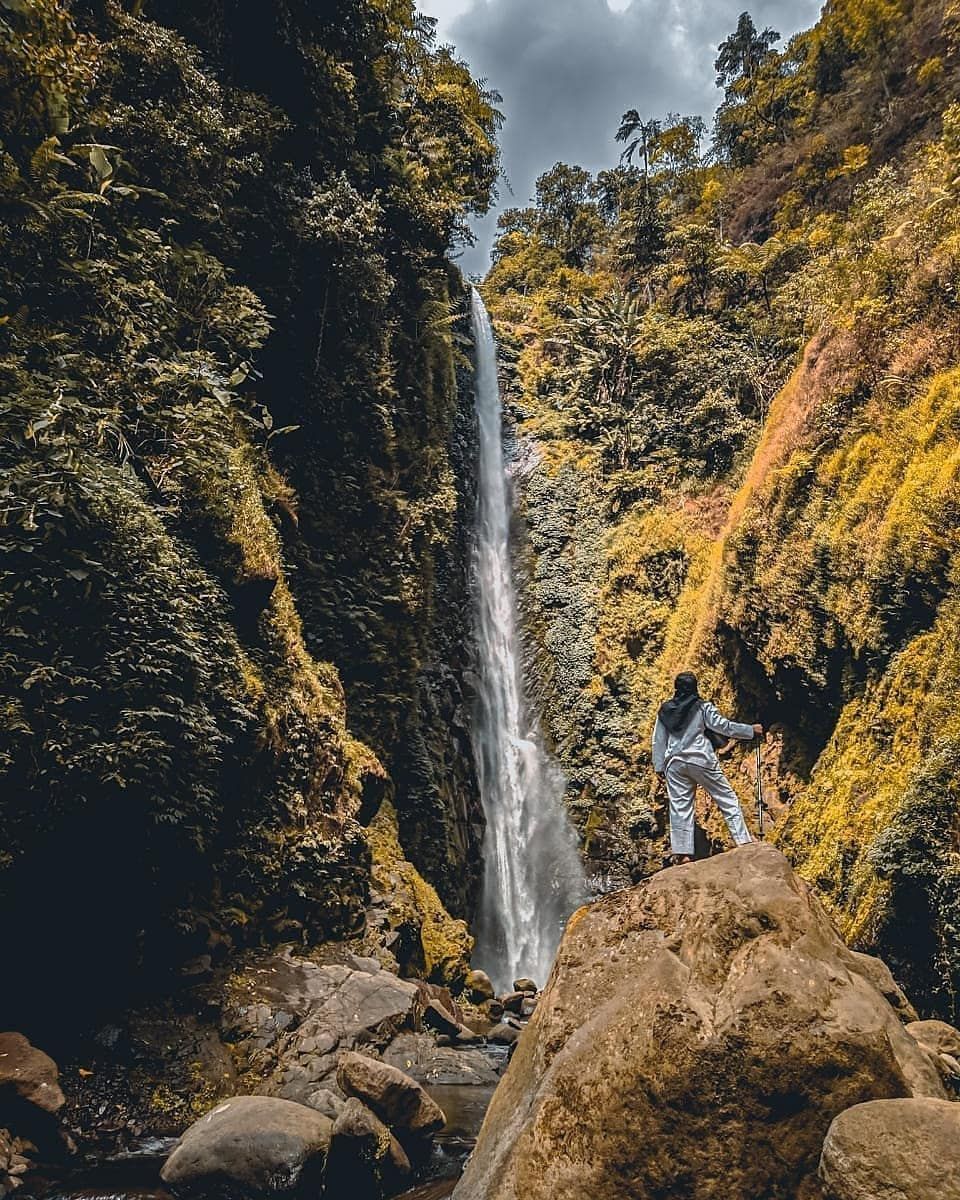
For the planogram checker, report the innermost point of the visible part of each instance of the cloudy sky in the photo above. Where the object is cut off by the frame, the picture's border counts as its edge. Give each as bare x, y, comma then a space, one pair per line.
567, 69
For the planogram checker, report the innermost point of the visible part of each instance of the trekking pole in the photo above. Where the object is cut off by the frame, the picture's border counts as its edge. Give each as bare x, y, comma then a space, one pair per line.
759, 792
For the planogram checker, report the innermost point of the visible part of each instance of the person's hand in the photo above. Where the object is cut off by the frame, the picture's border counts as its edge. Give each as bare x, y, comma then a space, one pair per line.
758, 729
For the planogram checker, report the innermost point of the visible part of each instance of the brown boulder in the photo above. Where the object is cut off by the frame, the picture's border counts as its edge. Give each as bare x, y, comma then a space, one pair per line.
697, 1037
251, 1146
28, 1074
937, 1036
479, 987
942, 1042
893, 1150
503, 1035
396, 1098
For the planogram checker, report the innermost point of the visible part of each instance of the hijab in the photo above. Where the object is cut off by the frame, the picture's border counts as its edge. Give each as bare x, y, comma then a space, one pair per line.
676, 713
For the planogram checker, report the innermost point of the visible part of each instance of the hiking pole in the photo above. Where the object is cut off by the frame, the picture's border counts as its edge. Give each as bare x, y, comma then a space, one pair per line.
759, 792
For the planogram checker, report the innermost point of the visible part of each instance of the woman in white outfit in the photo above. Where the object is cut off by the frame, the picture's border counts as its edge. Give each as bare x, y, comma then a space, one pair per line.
684, 756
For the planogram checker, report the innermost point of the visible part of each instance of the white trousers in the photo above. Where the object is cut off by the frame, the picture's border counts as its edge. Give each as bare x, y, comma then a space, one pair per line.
682, 781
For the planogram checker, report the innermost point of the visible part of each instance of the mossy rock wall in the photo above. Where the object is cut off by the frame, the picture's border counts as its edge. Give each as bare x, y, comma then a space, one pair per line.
236, 468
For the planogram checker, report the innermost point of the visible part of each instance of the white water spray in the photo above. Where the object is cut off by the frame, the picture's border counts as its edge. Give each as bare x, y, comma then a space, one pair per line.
532, 875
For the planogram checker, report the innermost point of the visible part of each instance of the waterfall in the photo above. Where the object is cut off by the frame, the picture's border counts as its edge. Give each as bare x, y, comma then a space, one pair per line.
532, 875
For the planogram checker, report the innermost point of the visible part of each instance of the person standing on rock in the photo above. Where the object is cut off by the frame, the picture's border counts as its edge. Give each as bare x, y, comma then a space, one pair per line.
684, 756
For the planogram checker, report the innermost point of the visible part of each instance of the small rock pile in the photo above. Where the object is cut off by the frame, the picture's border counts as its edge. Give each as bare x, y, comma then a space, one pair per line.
500, 1019
259, 1146
341, 1055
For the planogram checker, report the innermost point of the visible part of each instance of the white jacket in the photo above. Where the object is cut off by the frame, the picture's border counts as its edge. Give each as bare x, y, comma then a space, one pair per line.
691, 745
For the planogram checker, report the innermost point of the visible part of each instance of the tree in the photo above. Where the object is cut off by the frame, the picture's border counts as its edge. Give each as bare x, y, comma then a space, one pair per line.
568, 219
740, 56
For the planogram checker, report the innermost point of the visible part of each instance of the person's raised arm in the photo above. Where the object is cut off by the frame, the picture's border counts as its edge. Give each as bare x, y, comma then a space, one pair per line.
659, 746
713, 719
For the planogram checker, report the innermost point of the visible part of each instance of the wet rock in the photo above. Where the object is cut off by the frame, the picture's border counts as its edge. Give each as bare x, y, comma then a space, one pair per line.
503, 1035
251, 1146
479, 987
513, 1001
365, 1159
880, 975
893, 1150
493, 1009
735, 1025
529, 1006
419, 1056
470, 1037
396, 1098
28, 1075
525, 985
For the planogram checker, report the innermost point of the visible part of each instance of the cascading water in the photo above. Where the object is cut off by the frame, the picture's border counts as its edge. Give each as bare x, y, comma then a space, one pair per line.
532, 875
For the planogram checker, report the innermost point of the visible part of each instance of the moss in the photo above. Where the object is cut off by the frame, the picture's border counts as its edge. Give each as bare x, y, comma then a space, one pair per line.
432, 943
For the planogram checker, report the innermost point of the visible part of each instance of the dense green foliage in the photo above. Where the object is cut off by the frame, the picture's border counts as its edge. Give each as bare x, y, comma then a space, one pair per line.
783, 520
218, 232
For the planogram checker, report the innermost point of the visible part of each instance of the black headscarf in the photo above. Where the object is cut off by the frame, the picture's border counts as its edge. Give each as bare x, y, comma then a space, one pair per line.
677, 712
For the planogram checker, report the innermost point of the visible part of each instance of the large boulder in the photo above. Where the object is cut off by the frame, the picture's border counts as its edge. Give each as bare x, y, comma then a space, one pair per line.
698, 1035
30, 1101
28, 1075
251, 1147
290, 1019
478, 986
396, 1098
894, 1150
365, 1159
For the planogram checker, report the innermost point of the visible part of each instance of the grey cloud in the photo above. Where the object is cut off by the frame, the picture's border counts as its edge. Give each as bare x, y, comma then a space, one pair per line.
567, 69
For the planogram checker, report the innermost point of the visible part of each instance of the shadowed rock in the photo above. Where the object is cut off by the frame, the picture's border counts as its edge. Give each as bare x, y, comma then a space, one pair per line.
28, 1074
365, 1159
698, 1035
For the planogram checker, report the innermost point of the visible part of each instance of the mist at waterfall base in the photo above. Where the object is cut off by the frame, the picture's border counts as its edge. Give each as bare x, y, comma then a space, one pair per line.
532, 874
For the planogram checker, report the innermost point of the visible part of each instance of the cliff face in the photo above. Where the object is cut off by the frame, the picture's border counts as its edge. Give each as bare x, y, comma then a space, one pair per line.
747, 454
234, 476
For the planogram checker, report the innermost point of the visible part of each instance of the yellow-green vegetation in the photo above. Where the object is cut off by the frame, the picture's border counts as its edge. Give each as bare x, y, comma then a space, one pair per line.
430, 943
227, 386
736, 376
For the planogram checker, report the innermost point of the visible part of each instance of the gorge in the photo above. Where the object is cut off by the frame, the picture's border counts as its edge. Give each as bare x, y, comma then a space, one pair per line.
318, 710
